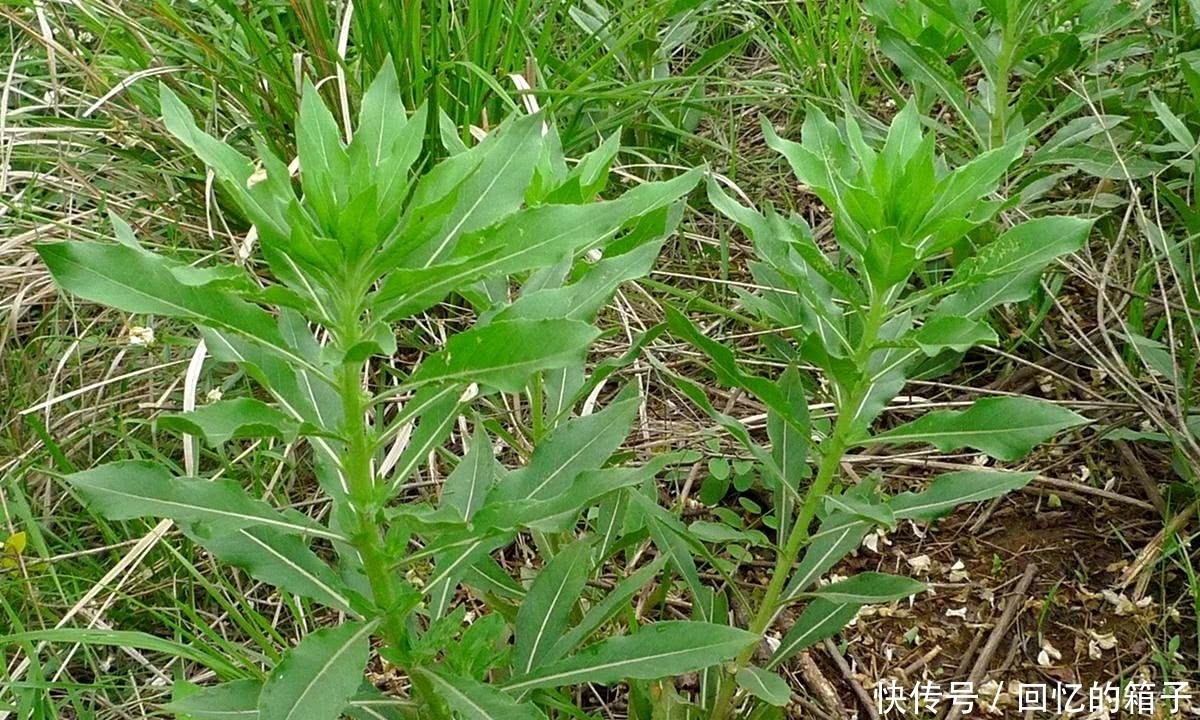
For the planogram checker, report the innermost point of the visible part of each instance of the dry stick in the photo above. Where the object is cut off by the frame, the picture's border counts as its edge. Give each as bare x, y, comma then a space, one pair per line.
1011, 606
965, 661
864, 698
916, 665
818, 683
1153, 550
1149, 486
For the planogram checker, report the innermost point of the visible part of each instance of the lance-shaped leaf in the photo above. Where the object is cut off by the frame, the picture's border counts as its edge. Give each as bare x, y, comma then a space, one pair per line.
583, 299
868, 587
316, 679
233, 419
504, 355
138, 488
789, 445
137, 281
821, 619
235, 700
614, 601
529, 239
925, 66
957, 488
839, 535
951, 332
959, 193
764, 685
466, 487
725, 366
580, 444
438, 407
654, 651
324, 164
500, 168
1005, 428
547, 607
1032, 244
386, 142
469, 698
284, 561
554, 511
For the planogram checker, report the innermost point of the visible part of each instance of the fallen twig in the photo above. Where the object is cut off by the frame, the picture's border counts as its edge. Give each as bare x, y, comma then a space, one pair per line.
864, 697
819, 684
1012, 605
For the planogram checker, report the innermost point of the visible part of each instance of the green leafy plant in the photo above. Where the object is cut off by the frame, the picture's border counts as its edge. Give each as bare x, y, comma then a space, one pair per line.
881, 309
365, 244
998, 67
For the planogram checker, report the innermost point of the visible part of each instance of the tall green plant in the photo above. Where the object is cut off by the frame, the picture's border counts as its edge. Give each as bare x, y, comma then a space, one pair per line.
881, 309
999, 65
368, 244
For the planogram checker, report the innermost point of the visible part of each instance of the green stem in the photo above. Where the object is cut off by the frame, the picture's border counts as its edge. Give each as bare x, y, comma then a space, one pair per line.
786, 559
360, 482
835, 447
1000, 90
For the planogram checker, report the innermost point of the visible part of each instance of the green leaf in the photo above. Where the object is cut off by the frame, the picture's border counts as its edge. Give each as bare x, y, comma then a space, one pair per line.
888, 260
821, 619
614, 601
473, 700
1005, 428
1154, 355
505, 354
437, 406
1029, 246
466, 487
713, 532
234, 419
284, 561
727, 371
903, 138
923, 65
528, 239
555, 513
324, 165
1075, 132
977, 299
138, 488
873, 512
654, 651
958, 193
382, 122
1172, 123
952, 332
839, 535
583, 299
546, 610
137, 281
235, 700
453, 559
868, 587
316, 679
304, 395
579, 444
764, 685
270, 205
502, 167
951, 490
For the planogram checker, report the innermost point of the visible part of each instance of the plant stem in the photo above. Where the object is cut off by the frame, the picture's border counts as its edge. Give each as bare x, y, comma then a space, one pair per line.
360, 482
768, 608
834, 449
